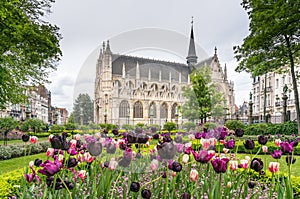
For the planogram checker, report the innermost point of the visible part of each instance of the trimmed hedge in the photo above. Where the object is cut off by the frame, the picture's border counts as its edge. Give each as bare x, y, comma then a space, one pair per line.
14, 151
9, 183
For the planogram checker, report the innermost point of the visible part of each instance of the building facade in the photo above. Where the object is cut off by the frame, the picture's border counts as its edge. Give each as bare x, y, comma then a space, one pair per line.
131, 90
268, 91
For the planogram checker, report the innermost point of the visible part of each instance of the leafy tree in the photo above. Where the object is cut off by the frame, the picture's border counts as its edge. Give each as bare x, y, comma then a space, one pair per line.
29, 47
188, 125
70, 126
273, 42
83, 111
203, 98
55, 128
71, 118
33, 124
7, 123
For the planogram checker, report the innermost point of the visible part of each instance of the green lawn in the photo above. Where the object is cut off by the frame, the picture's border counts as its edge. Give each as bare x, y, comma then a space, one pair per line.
10, 142
18, 163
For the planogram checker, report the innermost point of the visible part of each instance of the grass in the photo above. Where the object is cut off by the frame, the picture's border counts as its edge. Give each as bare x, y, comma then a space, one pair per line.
18, 142
19, 163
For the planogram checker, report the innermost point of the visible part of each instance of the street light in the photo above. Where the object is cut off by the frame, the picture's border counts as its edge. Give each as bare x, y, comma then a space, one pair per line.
285, 97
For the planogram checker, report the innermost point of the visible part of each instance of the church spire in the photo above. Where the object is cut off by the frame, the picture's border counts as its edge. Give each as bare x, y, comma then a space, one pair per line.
192, 57
225, 72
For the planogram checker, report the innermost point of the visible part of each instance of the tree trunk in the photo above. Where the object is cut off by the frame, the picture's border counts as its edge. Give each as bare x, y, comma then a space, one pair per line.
295, 88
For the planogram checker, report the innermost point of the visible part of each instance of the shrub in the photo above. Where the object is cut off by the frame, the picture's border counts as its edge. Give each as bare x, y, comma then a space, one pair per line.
127, 127
210, 125
234, 124
8, 181
169, 126
188, 125
56, 128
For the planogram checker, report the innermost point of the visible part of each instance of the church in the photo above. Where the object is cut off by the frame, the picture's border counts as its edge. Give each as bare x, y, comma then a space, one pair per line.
131, 90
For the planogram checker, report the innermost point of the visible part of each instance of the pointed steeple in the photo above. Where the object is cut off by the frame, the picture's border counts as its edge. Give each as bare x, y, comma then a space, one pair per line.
192, 57
107, 47
225, 72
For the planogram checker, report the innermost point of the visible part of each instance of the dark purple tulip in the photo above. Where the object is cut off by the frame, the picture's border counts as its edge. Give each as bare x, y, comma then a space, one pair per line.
222, 134
262, 139
164, 175
287, 147
202, 156
220, 164
146, 193
249, 144
49, 180
257, 164
239, 132
72, 162
138, 130
37, 162
56, 142
94, 148
134, 186
229, 144
167, 150
106, 164
122, 146
49, 168
155, 136
115, 132
131, 137
276, 154
295, 142
167, 138
289, 160
178, 139
25, 138
111, 148
142, 139
251, 184
198, 135
70, 185
179, 148
188, 150
176, 166
124, 162
185, 196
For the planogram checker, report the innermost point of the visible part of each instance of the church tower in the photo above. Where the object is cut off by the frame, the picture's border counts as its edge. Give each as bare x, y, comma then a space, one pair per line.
192, 57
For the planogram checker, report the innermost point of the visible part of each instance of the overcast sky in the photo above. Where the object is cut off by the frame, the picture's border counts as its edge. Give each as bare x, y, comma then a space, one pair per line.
85, 24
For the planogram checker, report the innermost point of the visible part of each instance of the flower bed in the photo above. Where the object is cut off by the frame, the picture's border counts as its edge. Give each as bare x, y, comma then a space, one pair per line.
98, 166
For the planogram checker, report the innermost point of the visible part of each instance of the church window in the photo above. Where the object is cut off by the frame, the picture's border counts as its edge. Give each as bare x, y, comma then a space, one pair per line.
124, 109
152, 110
164, 111
174, 112
138, 110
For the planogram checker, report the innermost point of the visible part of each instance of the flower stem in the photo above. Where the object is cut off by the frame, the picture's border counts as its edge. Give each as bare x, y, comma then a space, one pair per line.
166, 183
65, 186
116, 184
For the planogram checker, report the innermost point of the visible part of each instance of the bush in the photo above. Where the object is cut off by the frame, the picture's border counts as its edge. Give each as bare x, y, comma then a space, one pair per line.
108, 126
169, 126
234, 124
8, 181
13, 151
210, 125
188, 125
287, 128
128, 127
56, 128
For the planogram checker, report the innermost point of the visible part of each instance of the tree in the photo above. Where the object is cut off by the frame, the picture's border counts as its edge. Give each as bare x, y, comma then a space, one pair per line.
83, 111
273, 42
33, 124
203, 98
29, 47
7, 124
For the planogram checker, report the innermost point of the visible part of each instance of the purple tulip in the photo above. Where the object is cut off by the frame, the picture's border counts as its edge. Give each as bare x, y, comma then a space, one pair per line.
25, 137
176, 166
256, 164
249, 144
31, 177
239, 132
198, 135
289, 160
229, 144
167, 150
72, 162
146, 193
50, 168
111, 148
202, 156
179, 148
276, 154
287, 147
220, 164
185, 196
223, 134
251, 184
262, 139
135, 186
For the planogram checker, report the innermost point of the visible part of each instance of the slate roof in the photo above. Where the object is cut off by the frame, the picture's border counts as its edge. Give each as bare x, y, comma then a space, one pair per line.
145, 64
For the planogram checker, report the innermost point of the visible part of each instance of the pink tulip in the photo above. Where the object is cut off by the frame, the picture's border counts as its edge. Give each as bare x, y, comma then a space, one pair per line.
194, 175
277, 142
112, 165
33, 139
50, 137
233, 165
265, 149
82, 174
77, 137
185, 158
244, 164
225, 150
87, 157
274, 167
154, 165
73, 143
50, 152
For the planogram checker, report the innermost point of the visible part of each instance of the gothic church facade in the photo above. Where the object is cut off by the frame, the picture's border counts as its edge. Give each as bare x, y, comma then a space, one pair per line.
131, 90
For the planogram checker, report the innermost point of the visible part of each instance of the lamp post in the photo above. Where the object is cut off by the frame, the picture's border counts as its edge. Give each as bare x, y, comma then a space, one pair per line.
285, 97
250, 109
